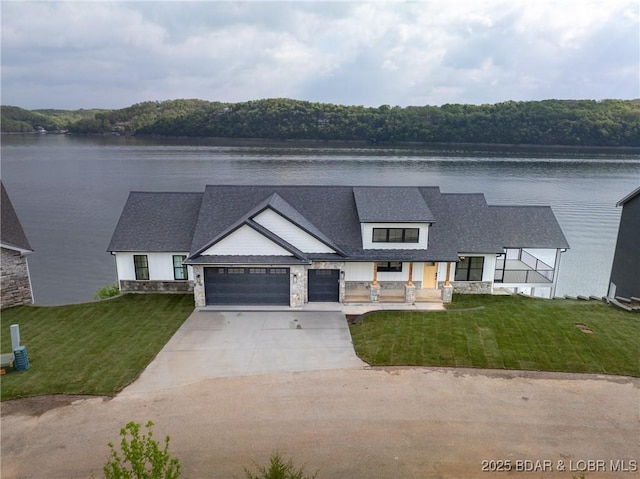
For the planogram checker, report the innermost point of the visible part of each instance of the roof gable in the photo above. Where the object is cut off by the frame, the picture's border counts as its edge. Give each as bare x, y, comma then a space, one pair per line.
291, 232
225, 208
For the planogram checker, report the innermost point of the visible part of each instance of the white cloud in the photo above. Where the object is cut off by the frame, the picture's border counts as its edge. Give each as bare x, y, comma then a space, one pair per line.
113, 54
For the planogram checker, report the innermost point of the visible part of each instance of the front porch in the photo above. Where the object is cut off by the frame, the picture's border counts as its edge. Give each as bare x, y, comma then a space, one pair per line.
393, 296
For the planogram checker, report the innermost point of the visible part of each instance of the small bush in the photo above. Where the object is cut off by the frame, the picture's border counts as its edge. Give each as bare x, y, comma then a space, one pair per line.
141, 457
278, 469
107, 291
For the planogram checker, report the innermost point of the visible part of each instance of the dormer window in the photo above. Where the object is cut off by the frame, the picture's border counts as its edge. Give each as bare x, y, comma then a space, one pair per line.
395, 235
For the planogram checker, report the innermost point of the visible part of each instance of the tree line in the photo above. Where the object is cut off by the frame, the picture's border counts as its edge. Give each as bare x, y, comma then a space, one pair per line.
610, 123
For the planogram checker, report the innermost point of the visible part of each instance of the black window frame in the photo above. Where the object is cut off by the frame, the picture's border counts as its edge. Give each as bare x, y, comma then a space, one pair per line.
395, 235
389, 266
141, 267
467, 268
180, 268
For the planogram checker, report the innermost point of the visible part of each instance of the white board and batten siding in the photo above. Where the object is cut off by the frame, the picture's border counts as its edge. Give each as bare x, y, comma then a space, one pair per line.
355, 271
160, 266
291, 233
367, 236
246, 241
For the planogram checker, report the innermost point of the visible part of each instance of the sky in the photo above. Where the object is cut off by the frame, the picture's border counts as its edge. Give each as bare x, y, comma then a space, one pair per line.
96, 54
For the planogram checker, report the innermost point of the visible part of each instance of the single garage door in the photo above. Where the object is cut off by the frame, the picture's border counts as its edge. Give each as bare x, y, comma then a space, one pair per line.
246, 286
324, 285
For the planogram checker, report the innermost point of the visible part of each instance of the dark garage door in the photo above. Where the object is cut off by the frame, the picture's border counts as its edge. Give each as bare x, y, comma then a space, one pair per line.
247, 285
324, 285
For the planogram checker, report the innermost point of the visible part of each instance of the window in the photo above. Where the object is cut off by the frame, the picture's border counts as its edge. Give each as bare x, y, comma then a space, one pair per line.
395, 235
470, 269
389, 266
141, 265
179, 270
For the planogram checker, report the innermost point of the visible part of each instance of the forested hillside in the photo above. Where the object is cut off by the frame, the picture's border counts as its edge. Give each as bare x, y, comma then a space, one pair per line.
612, 123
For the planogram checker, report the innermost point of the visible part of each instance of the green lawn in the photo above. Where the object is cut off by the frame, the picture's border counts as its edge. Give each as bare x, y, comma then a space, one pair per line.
92, 348
510, 332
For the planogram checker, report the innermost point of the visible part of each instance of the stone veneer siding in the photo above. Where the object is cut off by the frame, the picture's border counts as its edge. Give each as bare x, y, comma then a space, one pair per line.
131, 286
384, 285
15, 284
470, 287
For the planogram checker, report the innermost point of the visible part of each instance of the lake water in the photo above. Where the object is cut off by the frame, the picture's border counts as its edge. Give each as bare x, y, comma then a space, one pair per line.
69, 192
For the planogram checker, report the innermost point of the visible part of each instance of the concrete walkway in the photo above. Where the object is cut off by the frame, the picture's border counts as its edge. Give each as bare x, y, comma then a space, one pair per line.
214, 344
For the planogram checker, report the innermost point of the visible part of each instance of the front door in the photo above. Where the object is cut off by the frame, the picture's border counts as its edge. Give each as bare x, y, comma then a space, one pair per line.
429, 276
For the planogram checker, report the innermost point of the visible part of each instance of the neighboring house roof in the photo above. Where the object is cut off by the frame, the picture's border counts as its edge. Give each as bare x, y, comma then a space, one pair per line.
460, 223
11, 232
156, 222
629, 197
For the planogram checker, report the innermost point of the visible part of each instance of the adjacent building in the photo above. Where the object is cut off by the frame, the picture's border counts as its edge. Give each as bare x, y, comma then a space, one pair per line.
625, 271
15, 287
292, 245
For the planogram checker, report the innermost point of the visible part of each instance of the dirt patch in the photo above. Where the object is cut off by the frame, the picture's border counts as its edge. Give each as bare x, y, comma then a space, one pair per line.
584, 328
37, 406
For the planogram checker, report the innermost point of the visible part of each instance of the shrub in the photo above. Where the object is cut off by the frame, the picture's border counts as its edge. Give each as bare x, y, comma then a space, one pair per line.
278, 469
141, 457
107, 291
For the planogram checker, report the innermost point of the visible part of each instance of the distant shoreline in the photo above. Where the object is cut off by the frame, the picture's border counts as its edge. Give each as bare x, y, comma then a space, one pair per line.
229, 141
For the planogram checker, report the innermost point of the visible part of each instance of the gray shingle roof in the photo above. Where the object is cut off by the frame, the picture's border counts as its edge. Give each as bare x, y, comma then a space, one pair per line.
156, 222
383, 204
462, 223
12, 234
527, 227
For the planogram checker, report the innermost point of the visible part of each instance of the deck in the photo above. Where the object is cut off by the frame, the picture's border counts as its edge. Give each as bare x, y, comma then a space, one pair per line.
514, 271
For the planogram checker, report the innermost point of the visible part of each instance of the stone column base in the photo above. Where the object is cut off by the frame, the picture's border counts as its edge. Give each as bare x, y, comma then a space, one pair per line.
447, 294
410, 294
374, 293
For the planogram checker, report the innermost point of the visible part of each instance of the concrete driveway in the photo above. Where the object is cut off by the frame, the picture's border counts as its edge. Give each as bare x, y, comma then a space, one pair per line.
214, 344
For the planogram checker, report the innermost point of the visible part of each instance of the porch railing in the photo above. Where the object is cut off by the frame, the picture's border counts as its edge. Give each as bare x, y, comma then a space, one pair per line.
523, 276
536, 271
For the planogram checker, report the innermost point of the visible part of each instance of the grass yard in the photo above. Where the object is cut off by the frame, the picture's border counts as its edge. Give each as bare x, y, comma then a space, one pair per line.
93, 348
510, 332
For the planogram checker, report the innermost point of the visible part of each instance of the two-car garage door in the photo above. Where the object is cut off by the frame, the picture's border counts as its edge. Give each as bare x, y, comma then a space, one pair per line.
247, 285
268, 286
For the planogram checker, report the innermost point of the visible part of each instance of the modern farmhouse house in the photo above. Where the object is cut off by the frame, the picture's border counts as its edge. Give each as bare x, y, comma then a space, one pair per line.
16, 282
291, 245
